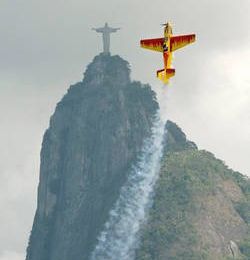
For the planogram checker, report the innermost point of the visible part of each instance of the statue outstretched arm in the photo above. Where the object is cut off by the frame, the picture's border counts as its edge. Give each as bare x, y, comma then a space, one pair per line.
99, 30
114, 29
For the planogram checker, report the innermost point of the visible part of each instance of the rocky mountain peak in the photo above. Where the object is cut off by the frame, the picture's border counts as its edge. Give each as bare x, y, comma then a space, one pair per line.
94, 137
109, 70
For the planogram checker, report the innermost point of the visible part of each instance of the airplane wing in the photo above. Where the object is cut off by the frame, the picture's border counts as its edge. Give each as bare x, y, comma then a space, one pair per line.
153, 44
177, 42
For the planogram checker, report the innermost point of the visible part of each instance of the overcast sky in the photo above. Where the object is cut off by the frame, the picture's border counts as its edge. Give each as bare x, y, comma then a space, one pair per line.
46, 45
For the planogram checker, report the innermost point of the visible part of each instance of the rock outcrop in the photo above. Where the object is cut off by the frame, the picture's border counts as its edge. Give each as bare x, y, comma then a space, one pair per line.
95, 135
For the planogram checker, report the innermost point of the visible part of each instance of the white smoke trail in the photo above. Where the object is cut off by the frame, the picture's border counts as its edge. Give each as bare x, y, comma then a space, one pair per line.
163, 93
119, 238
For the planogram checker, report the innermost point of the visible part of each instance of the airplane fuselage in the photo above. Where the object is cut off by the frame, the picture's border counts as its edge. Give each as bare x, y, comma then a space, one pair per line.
167, 54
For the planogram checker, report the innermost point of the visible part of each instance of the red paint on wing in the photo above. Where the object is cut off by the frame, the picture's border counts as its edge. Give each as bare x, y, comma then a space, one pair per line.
181, 40
153, 42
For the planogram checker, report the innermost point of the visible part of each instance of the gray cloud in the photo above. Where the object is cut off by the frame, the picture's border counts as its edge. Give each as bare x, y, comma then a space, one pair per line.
45, 47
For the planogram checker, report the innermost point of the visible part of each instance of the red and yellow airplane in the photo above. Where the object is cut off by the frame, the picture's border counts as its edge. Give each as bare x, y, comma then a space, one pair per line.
167, 46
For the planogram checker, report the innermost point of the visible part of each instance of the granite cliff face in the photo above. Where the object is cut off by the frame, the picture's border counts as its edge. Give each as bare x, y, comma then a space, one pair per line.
95, 135
200, 207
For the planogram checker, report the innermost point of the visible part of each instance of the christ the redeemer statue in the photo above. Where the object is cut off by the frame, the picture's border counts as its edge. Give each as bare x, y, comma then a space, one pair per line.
106, 31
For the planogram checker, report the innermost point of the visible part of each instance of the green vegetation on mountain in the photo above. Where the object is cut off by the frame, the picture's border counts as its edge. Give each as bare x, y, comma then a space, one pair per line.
200, 208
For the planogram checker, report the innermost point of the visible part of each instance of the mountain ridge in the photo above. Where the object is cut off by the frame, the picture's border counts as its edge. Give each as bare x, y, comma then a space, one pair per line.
95, 136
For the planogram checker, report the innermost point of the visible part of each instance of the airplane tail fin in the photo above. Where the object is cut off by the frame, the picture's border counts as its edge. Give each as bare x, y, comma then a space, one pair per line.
165, 75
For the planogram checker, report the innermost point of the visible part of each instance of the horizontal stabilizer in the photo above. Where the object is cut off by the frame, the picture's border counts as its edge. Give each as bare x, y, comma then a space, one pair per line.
170, 72
165, 75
